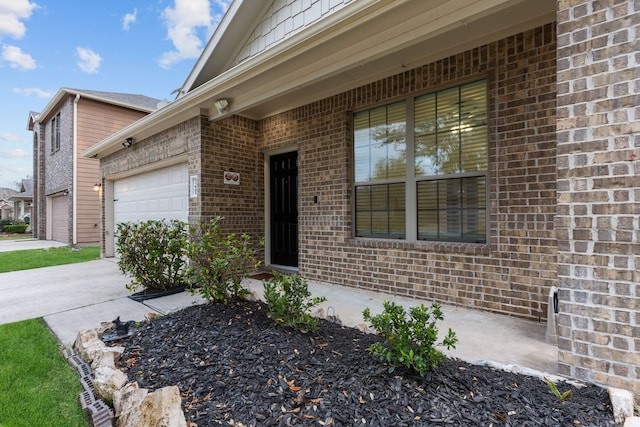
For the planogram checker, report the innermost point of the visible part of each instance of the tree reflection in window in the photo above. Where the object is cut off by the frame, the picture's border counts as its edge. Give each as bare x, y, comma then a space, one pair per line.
449, 143
451, 131
380, 143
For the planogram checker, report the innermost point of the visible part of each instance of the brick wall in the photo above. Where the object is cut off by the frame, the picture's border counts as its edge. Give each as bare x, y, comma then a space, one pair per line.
159, 149
38, 216
230, 145
599, 192
59, 166
512, 274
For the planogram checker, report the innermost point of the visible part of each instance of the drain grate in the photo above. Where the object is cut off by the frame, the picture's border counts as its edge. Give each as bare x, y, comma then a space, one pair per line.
80, 365
87, 398
87, 383
101, 415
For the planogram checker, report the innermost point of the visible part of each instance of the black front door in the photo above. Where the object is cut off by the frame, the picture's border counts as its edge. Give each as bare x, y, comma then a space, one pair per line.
284, 209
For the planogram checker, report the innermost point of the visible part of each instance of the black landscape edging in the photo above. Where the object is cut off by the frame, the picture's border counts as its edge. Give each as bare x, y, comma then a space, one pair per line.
149, 293
100, 413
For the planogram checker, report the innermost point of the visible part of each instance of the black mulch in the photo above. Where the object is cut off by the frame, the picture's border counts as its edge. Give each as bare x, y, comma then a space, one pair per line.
232, 366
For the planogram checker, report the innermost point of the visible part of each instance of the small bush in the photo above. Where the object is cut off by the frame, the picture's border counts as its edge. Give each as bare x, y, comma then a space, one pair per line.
16, 228
153, 253
410, 341
5, 222
219, 262
289, 301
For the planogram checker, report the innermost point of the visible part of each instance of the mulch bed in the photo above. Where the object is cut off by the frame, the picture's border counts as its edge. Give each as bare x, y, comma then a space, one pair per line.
233, 366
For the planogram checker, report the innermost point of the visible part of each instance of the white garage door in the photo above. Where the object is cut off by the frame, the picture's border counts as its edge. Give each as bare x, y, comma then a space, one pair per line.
159, 194
59, 219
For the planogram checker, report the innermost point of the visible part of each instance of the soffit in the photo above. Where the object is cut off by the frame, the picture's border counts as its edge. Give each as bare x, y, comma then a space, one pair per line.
398, 40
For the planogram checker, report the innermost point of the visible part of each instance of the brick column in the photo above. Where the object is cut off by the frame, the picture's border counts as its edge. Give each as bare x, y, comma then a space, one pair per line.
597, 224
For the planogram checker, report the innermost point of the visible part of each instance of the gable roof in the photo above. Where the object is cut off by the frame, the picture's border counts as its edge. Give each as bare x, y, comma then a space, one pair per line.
134, 101
364, 41
224, 43
26, 187
26, 190
126, 100
33, 117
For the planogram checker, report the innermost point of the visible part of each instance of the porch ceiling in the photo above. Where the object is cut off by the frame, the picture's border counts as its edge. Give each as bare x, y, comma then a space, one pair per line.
361, 43
397, 37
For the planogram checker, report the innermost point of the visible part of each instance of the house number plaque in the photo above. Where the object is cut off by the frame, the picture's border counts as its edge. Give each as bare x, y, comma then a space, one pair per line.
232, 178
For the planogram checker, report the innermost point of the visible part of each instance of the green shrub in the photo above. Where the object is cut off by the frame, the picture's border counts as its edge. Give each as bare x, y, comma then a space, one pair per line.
16, 228
219, 262
289, 301
153, 253
409, 341
5, 222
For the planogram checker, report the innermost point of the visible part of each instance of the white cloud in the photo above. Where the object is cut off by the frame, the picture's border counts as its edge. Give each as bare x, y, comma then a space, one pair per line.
9, 137
12, 12
16, 153
182, 22
88, 61
28, 91
17, 58
13, 170
223, 5
128, 19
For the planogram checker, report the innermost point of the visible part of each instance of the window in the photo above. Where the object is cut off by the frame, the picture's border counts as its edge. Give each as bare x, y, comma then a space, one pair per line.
55, 133
421, 167
380, 171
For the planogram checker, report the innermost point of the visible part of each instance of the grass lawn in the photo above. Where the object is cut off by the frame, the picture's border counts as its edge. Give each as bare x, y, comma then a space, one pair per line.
37, 385
36, 258
15, 236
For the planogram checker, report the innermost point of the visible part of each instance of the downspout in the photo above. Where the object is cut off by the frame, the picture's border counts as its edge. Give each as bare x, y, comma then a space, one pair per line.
75, 171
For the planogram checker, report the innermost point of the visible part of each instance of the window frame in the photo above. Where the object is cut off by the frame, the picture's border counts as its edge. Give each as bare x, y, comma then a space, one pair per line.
55, 133
411, 180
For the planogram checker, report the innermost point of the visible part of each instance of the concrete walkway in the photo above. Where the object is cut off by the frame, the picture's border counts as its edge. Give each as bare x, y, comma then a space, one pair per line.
482, 337
82, 296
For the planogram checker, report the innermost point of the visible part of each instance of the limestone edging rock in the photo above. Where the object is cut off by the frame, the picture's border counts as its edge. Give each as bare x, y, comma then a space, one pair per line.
134, 406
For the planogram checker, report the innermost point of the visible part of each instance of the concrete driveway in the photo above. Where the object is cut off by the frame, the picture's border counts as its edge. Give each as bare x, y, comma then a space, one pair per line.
21, 244
40, 292
69, 297
43, 291
74, 297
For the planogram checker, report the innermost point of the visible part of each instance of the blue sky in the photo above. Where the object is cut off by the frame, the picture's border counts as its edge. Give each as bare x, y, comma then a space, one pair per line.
144, 47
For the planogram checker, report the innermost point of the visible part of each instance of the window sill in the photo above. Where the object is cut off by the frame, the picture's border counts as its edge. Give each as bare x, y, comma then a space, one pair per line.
422, 246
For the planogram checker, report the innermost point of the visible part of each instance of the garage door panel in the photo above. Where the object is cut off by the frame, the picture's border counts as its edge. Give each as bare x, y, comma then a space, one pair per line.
59, 219
160, 194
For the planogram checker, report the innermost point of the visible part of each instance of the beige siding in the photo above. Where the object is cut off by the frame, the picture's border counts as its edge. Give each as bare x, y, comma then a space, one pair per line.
96, 121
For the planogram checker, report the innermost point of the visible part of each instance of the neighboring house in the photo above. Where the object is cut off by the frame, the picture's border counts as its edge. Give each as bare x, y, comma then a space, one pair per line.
66, 205
6, 204
479, 154
23, 199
